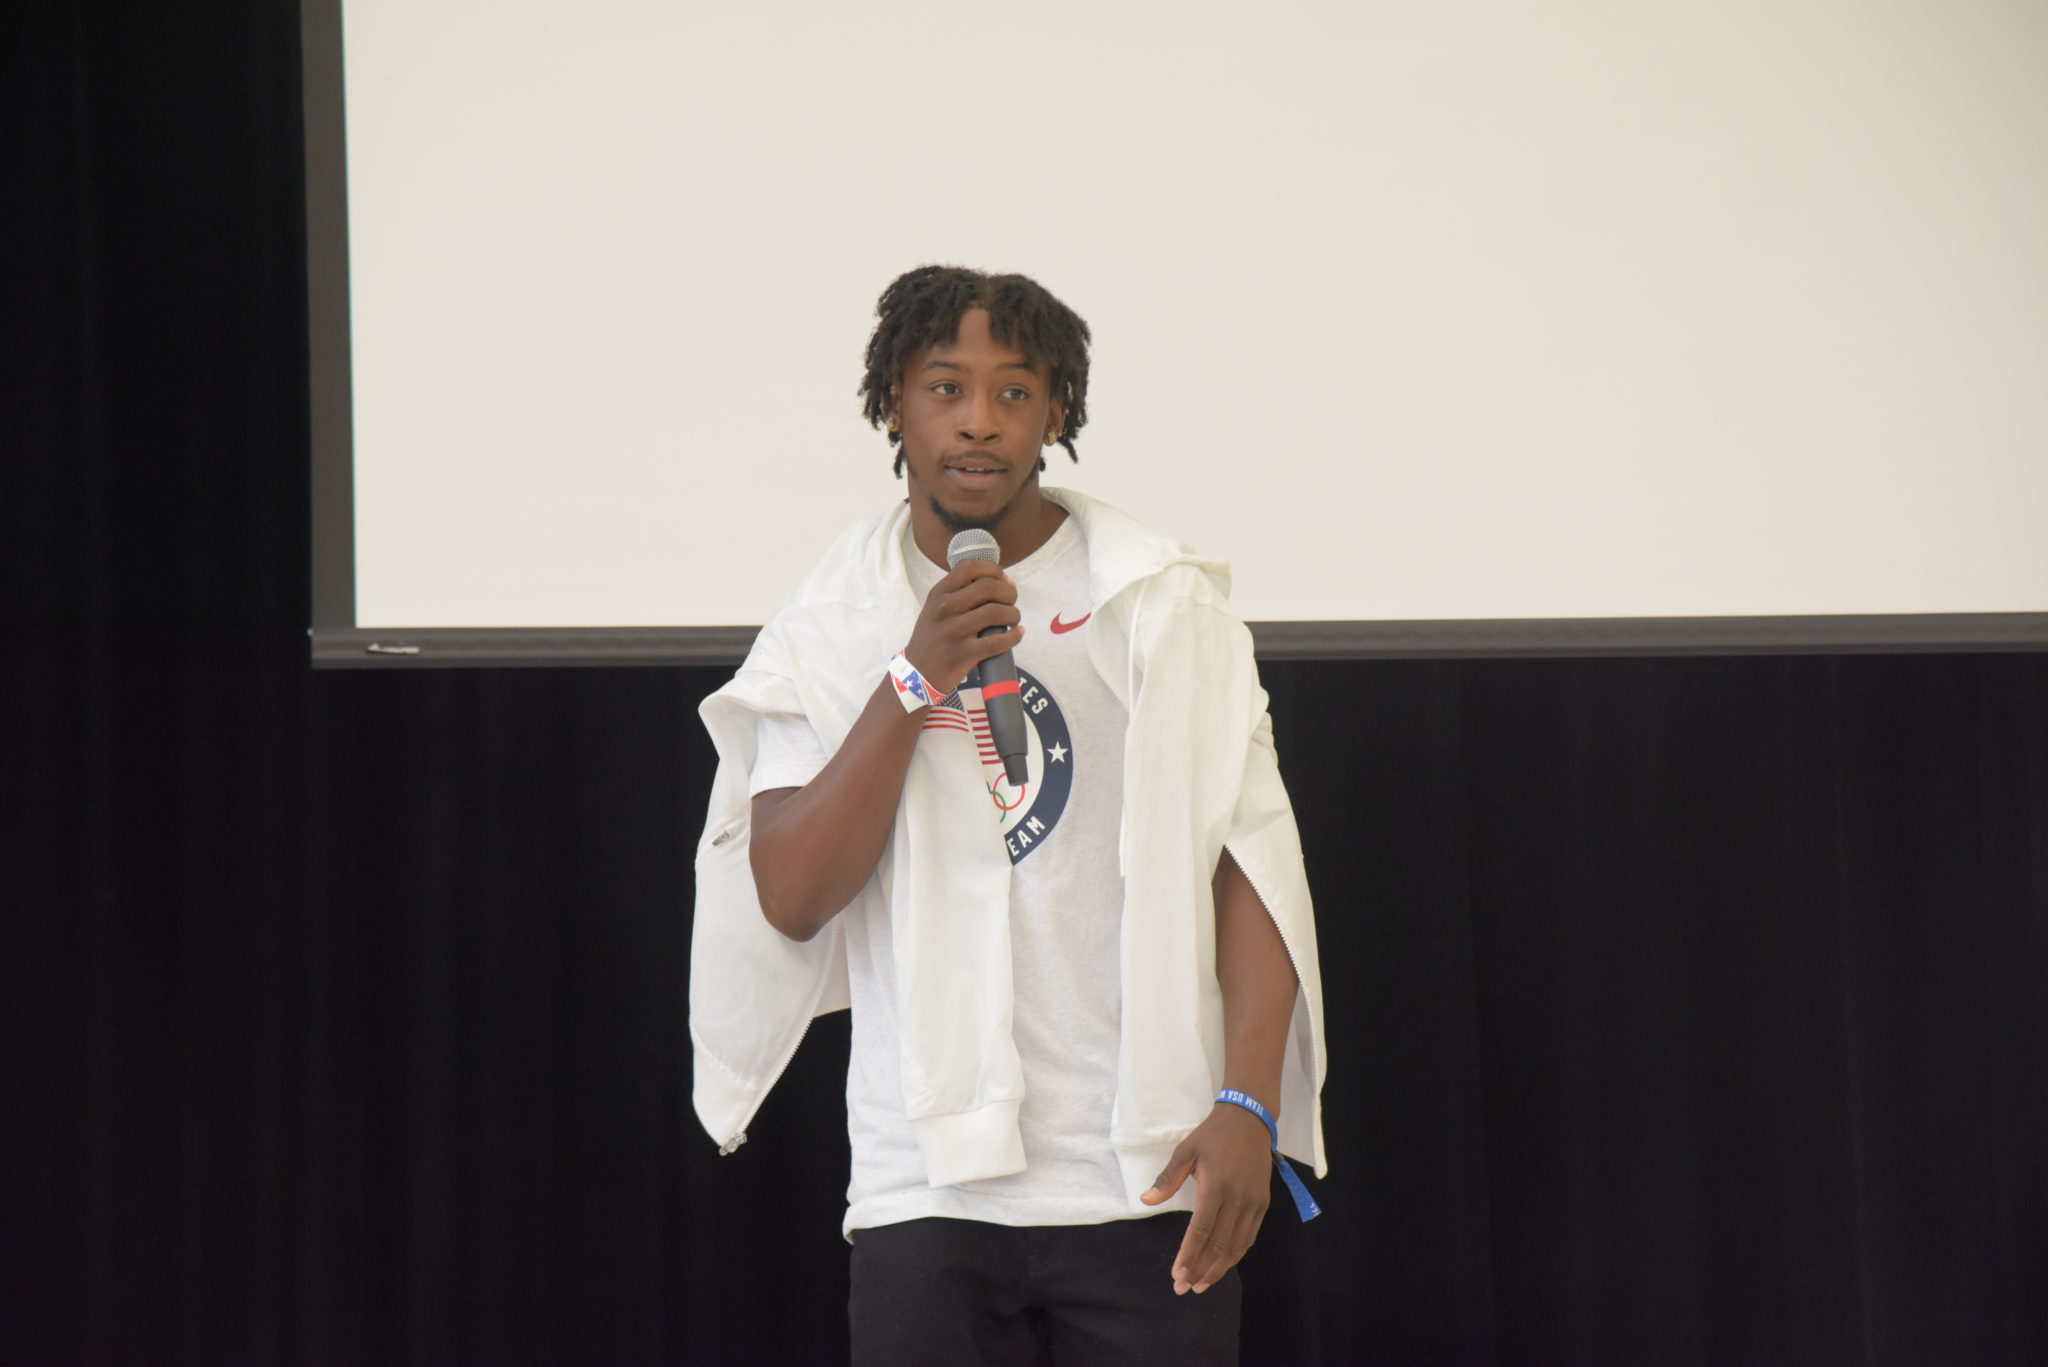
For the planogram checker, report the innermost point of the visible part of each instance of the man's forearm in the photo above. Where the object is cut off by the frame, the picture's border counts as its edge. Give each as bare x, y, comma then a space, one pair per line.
1258, 984
813, 847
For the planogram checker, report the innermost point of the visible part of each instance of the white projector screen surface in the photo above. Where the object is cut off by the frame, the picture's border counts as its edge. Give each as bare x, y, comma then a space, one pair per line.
1442, 312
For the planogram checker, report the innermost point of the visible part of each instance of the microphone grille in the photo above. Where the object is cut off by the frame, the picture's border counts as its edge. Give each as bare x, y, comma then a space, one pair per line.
972, 544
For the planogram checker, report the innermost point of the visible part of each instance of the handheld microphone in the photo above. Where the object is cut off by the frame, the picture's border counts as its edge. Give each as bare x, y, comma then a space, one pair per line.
999, 696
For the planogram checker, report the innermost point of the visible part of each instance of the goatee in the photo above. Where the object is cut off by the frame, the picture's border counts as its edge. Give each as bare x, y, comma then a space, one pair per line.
956, 523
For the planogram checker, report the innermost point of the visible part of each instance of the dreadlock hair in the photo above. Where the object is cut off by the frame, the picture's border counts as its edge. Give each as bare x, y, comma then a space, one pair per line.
922, 308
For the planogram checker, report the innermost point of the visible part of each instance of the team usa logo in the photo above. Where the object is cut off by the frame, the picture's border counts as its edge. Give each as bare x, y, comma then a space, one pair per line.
1027, 815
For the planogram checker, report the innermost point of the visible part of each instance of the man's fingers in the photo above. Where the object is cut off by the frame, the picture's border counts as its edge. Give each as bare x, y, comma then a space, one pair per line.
1251, 1233
1006, 639
1214, 1243
1170, 1177
977, 620
974, 568
1227, 1244
980, 594
1193, 1255
1210, 1248
977, 578
1215, 1249
1220, 1233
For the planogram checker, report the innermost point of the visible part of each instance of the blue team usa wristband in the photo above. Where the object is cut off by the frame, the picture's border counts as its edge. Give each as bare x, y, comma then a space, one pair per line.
1303, 1202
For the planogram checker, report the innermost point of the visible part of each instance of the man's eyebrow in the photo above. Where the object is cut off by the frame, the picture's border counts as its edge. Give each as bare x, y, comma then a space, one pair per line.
1025, 366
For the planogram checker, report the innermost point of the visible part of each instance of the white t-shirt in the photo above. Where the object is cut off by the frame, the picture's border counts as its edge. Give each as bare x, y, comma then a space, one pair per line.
1066, 906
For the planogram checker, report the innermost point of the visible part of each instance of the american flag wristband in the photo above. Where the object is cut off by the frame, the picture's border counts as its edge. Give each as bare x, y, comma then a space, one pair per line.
1303, 1202
911, 689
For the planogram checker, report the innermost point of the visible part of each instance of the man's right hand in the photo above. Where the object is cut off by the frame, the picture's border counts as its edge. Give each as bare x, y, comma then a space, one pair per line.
947, 642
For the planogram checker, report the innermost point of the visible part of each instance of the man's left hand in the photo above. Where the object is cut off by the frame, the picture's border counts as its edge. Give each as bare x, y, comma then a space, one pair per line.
1230, 1157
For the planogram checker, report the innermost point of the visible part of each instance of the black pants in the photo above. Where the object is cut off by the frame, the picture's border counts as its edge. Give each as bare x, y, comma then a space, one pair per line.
959, 1292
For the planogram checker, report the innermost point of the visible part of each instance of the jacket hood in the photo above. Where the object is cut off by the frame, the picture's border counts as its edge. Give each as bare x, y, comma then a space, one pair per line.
1122, 550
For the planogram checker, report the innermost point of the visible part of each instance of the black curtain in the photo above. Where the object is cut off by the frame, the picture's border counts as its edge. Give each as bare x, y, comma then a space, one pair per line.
1681, 1011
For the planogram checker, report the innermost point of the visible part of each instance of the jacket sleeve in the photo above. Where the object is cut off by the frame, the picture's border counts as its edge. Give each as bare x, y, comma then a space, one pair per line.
1198, 665
753, 990
1267, 846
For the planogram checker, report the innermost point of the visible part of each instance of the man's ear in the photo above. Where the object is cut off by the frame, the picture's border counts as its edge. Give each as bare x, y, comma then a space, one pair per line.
1056, 421
892, 415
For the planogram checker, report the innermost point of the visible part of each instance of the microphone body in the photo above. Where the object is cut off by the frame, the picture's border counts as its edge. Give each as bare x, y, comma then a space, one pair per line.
999, 694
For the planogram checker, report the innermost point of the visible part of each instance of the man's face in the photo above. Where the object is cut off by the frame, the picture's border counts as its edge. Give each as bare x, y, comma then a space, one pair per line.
974, 415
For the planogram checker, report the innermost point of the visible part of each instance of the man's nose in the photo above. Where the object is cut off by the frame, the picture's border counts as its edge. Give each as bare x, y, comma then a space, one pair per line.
978, 418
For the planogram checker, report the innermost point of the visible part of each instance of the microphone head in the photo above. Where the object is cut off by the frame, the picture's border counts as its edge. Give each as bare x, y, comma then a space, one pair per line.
972, 544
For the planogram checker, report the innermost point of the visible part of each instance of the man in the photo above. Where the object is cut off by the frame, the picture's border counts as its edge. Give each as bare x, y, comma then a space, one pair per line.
1068, 996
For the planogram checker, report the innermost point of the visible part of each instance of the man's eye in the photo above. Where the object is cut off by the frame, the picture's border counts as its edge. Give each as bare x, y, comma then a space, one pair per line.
1014, 392
945, 387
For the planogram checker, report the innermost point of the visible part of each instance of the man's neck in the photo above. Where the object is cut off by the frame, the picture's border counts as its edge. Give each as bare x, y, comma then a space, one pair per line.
1028, 524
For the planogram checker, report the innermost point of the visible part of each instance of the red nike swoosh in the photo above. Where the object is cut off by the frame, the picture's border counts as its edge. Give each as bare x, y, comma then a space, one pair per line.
1060, 628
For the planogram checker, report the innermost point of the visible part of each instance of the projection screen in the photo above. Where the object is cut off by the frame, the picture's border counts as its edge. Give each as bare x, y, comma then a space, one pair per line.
1457, 328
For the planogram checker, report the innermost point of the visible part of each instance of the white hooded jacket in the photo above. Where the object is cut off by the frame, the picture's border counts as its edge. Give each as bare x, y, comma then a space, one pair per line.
1200, 775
